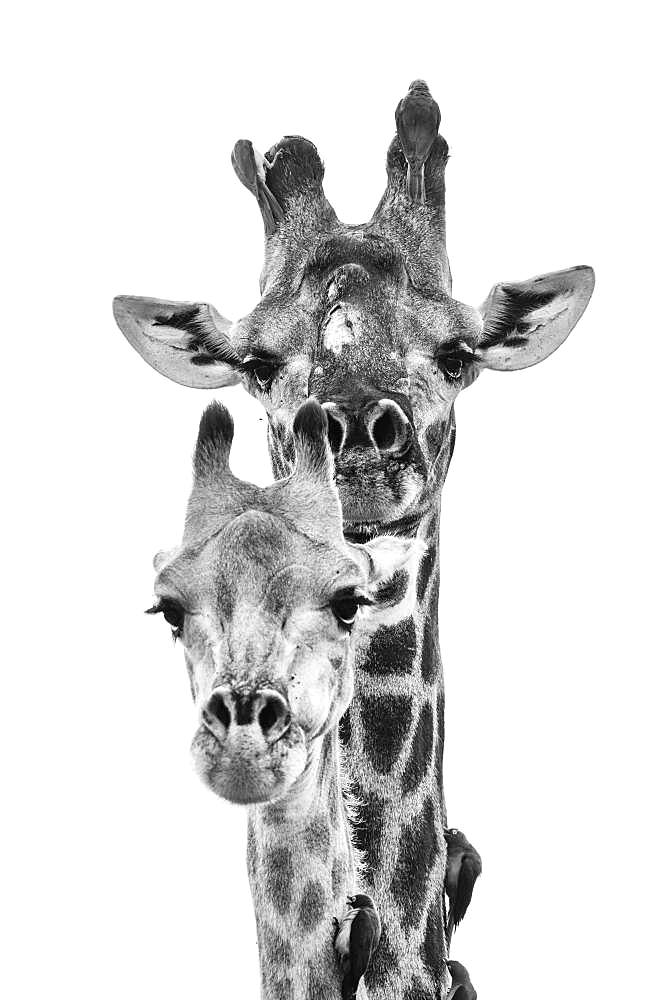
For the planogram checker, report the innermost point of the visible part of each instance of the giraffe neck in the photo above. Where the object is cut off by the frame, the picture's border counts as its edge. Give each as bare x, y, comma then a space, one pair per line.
301, 867
393, 739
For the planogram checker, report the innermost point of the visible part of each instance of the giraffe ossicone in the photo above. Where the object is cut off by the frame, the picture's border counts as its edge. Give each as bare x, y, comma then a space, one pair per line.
269, 600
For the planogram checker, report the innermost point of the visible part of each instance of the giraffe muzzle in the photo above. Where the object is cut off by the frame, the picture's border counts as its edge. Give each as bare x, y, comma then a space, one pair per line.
265, 710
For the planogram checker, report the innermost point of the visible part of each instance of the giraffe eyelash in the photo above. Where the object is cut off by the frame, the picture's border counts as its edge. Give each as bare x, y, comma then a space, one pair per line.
172, 612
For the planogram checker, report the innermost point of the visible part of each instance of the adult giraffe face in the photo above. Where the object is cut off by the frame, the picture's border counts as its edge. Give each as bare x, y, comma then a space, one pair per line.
268, 601
361, 318
386, 361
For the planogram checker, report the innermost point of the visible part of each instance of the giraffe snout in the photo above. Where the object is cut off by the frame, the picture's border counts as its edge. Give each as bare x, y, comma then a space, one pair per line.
265, 709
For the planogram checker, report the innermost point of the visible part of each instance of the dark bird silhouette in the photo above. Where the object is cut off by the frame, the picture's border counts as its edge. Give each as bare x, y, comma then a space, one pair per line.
463, 867
418, 117
357, 937
251, 169
461, 987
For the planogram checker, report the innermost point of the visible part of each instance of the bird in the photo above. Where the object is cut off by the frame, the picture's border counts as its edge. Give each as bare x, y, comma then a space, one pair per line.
251, 169
357, 937
463, 867
418, 117
461, 985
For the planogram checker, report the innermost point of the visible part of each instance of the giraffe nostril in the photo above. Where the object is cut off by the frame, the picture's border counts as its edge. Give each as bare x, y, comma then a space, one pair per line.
335, 431
273, 714
384, 432
216, 706
389, 427
267, 717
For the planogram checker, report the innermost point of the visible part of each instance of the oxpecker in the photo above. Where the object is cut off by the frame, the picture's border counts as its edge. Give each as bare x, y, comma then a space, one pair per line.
251, 169
462, 987
357, 937
418, 118
463, 867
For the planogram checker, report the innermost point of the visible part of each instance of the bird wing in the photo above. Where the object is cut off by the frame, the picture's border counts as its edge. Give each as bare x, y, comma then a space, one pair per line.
364, 937
245, 167
469, 870
417, 125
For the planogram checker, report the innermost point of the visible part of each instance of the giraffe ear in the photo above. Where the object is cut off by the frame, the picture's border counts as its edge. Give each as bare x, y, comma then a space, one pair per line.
394, 565
186, 341
524, 322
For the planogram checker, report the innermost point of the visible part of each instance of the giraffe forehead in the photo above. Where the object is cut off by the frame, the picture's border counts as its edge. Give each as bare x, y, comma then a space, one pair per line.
260, 562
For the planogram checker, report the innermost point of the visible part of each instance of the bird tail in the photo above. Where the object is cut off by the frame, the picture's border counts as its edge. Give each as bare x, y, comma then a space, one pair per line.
269, 217
349, 988
449, 928
415, 183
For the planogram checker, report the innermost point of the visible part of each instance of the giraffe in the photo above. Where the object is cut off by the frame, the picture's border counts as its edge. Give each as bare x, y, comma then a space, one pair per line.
362, 318
269, 600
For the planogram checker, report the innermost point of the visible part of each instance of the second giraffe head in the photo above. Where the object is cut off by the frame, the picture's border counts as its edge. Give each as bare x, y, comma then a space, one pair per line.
268, 600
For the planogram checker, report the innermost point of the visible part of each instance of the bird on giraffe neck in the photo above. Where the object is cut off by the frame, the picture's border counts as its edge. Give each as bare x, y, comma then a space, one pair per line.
357, 938
463, 867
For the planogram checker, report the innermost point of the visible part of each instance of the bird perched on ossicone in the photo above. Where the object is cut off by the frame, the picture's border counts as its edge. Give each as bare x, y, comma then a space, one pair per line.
357, 937
251, 169
418, 117
462, 987
463, 867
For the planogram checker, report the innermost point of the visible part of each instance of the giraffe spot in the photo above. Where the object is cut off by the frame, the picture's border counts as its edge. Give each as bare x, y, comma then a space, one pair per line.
279, 874
426, 569
417, 991
393, 590
369, 829
312, 906
276, 951
383, 967
433, 945
274, 813
386, 721
317, 838
344, 728
421, 750
392, 649
280, 989
417, 853
339, 874
435, 436
431, 657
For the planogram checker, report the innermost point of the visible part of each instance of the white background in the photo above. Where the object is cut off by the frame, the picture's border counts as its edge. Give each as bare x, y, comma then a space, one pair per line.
123, 876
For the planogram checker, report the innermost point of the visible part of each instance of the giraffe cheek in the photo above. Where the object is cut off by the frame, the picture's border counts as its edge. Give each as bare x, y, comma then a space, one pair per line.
310, 698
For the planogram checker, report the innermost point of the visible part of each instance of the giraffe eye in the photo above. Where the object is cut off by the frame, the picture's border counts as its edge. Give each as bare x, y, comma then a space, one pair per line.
172, 612
452, 367
345, 609
263, 375
453, 360
262, 370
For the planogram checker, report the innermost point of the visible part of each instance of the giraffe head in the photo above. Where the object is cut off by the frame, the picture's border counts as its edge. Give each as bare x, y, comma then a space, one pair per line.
362, 318
268, 600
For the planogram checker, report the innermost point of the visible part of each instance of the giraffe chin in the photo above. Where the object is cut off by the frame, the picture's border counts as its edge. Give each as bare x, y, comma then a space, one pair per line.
249, 772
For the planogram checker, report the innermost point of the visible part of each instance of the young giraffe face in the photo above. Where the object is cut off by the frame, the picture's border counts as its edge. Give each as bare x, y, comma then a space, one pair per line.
361, 318
268, 599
